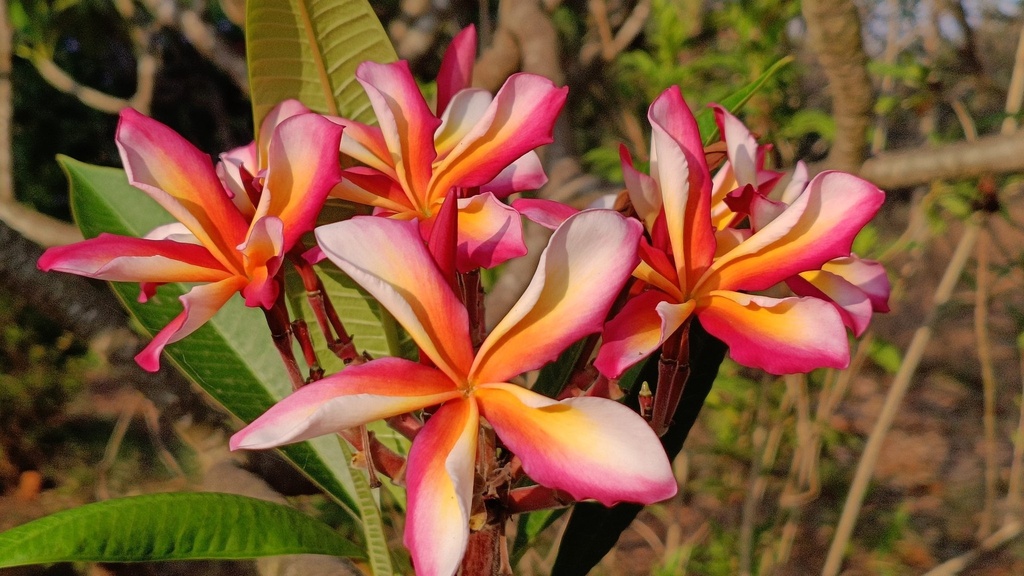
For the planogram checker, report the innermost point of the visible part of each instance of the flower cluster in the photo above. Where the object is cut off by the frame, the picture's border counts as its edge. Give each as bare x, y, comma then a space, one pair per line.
698, 246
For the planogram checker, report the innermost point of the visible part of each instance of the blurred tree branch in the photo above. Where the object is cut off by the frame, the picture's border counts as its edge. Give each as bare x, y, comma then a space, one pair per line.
834, 35
999, 154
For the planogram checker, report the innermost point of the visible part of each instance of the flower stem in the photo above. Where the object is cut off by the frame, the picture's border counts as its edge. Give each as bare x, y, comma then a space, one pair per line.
338, 340
281, 334
536, 497
301, 332
673, 372
471, 291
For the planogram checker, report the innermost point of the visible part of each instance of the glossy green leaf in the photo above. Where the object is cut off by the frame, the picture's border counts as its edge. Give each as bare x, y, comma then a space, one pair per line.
175, 526
735, 101
309, 50
232, 356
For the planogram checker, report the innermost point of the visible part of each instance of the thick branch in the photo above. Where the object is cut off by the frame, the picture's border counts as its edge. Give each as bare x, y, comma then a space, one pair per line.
915, 166
525, 40
833, 33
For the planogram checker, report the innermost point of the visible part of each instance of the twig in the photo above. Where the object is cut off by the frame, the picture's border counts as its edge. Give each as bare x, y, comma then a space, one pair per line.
1015, 93
901, 382
1013, 489
998, 539
988, 378
892, 37
756, 490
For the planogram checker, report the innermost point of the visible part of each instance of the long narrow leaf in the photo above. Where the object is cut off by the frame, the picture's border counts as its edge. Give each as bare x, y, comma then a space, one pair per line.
176, 526
309, 50
735, 101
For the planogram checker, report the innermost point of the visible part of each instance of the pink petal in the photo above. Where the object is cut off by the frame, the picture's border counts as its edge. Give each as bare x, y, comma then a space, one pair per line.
456, 68
589, 447
657, 269
526, 173
268, 127
439, 476
642, 325
127, 259
442, 237
580, 273
372, 188
643, 191
355, 396
175, 231
678, 164
365, 144
780, 336
852, 304
796, 184
235, 170
389, 260
466, 109
867, 275
741, 147
302, 168
521, 118
201, 303
264, 251
729, 238
490, 233
747, 201
406, 122
819, 226
548, 213
182, 180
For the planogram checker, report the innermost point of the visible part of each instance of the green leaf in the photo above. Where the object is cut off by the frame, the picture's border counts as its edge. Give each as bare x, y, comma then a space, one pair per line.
309, 50
735, 101
554, 376
373, 525
232, 356
175, 526
885, 355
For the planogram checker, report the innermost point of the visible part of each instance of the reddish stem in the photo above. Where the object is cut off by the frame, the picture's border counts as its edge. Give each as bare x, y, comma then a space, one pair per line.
536, 497
383, 459
301, 332
483, 553
471, 291
339, 342
673, 372
281, 334
405, 424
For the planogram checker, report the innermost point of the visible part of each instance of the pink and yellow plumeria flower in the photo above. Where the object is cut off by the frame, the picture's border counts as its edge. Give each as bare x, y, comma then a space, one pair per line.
588, 447
855, 286
223, 247
478, 145
689, 269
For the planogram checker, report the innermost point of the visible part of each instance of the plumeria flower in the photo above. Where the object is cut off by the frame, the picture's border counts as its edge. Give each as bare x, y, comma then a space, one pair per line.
855, 286
690, 270
224, 247
589, 447
479, 145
